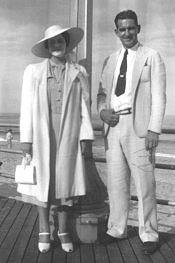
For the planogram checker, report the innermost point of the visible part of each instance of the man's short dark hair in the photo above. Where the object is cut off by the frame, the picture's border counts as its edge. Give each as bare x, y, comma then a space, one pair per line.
126, 14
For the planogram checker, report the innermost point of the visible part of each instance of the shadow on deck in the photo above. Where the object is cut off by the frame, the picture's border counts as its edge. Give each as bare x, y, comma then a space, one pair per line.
19, 237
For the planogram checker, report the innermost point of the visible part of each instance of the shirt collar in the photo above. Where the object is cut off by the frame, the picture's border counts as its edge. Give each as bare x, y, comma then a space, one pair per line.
51, 66
133, 49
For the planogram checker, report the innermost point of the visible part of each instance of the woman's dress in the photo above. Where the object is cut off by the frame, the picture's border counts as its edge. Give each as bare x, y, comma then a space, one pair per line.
55, 86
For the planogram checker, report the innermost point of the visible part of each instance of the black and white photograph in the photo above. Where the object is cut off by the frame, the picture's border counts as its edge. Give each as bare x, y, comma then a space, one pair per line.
87, 131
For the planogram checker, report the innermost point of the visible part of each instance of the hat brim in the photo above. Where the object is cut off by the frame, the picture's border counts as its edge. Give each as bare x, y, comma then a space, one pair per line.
75, 36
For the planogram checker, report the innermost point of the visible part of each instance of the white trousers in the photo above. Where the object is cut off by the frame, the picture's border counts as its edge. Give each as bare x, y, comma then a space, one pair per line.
126, 156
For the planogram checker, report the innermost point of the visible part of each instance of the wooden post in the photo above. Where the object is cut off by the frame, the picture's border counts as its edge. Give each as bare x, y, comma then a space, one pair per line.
89, 215
81, 15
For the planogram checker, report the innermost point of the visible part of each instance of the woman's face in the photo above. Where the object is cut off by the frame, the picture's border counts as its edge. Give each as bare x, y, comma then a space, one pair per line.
57, 46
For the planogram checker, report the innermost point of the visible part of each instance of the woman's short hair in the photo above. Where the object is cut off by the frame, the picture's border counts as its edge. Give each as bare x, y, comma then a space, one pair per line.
126, 14
66, 37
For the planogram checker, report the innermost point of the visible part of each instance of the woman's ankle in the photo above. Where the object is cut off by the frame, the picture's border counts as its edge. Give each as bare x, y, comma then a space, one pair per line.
44, 237
64, 237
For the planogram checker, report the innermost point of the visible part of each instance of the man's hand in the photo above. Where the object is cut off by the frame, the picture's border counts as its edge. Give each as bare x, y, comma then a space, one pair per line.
86, 149
109, 117
26, 148
151, 142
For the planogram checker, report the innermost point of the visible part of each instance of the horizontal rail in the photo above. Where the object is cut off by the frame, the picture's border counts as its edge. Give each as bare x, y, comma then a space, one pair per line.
157, 165
96, 127
99, 127
101, 160
159, 201
11, 151
168, 131
9, 125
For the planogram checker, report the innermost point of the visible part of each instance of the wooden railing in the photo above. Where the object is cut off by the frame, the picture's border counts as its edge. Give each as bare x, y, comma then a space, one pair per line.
98, 127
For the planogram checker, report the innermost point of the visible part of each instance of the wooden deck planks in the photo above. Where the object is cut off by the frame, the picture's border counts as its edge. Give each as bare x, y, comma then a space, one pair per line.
6, 209
45, 258
7, 217
166, 251
24, 236
126, 251
2, 202
59, 254
87, 253
17, 222
32, 253
19, 242
74, 257
100, 252
114, 253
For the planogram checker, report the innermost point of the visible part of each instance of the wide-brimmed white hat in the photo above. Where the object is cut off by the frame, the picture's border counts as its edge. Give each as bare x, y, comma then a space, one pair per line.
75, 36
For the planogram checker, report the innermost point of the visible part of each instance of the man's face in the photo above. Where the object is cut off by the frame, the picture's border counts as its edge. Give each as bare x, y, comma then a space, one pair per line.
127, 31
57, 46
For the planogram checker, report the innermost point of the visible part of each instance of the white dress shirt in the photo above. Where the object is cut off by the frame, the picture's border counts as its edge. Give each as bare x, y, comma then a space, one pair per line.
124, 101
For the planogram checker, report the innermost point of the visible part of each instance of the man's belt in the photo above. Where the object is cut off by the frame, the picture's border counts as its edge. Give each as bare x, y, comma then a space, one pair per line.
124, 111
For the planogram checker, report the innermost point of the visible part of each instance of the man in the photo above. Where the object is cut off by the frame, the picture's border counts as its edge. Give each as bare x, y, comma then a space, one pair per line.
131, 102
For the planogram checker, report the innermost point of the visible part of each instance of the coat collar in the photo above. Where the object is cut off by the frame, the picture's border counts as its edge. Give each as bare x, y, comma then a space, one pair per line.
42, 68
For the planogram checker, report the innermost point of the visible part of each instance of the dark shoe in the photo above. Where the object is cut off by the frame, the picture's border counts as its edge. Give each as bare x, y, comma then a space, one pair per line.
149, 247
110, 239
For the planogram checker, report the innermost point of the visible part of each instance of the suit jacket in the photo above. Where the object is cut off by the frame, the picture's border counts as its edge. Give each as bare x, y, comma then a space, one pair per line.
148, 89
75, 126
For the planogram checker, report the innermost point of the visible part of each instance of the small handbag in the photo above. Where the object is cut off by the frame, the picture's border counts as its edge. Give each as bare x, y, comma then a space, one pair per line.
26, 172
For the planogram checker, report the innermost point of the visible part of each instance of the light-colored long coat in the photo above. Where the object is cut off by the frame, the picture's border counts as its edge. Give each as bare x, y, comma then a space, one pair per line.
148, 89
75, 126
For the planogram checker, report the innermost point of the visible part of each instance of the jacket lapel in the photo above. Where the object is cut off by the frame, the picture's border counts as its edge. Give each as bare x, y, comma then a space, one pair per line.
141, 58
112, 66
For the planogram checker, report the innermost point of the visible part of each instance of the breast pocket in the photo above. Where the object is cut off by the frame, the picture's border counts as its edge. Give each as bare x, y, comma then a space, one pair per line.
146, 74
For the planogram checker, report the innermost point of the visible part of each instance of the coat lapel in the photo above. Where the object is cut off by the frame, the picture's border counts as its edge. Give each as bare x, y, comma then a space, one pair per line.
41, 78
70, 75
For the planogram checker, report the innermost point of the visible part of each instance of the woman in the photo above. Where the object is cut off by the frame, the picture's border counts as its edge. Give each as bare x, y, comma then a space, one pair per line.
55, 129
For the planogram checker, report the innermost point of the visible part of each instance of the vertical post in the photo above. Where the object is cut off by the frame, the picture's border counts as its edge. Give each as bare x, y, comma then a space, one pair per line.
85, 20
81, 14
90, 212
89, 23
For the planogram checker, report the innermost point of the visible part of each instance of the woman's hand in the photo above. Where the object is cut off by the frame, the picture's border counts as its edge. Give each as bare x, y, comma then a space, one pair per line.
26, 148
86, 149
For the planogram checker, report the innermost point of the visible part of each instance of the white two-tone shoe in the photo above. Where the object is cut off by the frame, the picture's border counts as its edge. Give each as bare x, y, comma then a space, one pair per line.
44, 247
66, 242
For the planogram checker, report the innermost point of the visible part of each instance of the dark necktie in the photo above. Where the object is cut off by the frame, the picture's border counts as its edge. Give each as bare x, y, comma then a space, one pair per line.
121, 81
